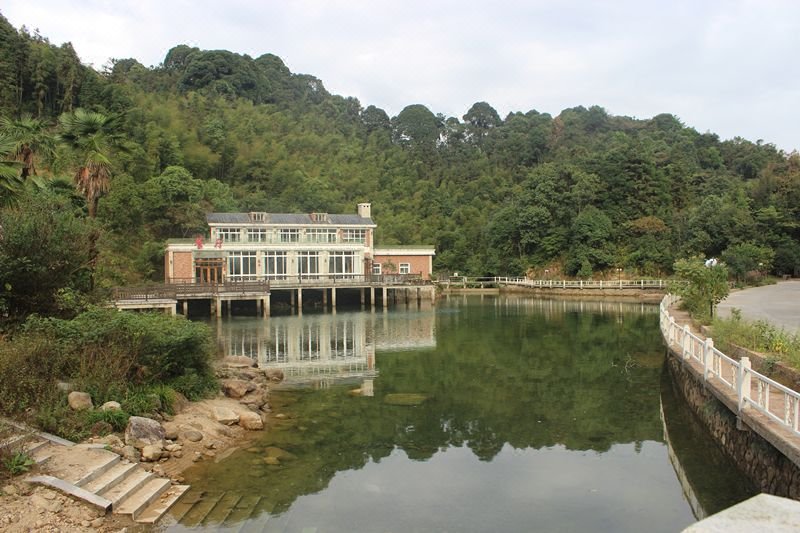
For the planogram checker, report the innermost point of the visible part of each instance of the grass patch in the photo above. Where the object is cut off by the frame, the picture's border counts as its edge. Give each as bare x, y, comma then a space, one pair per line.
140, 360
759, 336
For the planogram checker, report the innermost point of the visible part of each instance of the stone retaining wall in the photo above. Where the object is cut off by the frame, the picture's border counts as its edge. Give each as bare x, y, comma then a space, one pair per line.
764, 465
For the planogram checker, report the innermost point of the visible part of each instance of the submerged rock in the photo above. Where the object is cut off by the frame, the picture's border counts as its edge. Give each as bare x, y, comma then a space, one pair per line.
278, 453
405, 398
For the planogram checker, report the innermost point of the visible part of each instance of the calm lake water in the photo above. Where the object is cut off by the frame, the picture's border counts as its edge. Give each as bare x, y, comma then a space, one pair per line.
476, 415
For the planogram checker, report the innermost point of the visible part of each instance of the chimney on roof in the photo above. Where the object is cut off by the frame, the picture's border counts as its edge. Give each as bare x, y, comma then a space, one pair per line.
365, 210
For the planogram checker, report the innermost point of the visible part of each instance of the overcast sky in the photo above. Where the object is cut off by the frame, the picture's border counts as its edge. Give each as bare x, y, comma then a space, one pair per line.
727, 66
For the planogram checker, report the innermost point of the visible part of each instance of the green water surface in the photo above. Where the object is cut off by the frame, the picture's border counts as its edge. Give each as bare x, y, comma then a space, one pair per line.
527, 415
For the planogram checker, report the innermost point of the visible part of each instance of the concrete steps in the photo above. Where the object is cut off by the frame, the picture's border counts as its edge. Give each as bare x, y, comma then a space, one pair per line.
229, 512
104, 480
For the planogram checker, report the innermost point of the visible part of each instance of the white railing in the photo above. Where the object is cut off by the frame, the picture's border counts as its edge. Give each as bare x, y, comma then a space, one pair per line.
558, 283
778, 402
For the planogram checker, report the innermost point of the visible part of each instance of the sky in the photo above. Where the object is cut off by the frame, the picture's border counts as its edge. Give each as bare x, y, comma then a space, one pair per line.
727, 66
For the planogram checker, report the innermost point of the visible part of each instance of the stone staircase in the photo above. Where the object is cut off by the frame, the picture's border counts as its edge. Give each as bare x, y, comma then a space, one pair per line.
101, 478
229, 512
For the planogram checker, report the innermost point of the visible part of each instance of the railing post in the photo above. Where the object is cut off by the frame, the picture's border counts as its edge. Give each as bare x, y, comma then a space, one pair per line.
743, 382
708, 351
671, 336
686, 343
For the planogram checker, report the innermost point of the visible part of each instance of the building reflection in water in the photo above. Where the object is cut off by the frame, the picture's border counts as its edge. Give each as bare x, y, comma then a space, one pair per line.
320, 349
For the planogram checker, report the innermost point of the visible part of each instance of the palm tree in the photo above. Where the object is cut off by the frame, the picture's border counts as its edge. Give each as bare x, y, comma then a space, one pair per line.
91, 137
31, 139
10, 180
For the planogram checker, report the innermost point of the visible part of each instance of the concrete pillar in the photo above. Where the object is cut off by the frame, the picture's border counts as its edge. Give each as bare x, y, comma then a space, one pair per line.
333, 297
185, 307
218, 302
213, 309
173, 310
291, 298
259, 305
325, 298
385, 297
363, 296
266, 304
300, 300
228, 307
372, 297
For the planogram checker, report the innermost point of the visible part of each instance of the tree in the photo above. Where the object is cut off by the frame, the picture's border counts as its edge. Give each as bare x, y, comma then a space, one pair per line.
91, 137
10, 180
480, 118
748, 257
32, 138
44, 248
702, 287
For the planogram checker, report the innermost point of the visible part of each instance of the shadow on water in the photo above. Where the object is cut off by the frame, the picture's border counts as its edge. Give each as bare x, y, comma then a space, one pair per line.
502, 414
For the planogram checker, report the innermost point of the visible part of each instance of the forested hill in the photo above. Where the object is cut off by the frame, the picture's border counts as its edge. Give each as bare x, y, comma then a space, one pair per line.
584, 191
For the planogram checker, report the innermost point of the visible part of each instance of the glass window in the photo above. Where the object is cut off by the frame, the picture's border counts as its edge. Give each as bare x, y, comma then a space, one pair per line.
405, 268
229, 234
242, 266
342, 263
354, 235
308, 264
289, 235
275, 265
257, 234
376, 269
321, 235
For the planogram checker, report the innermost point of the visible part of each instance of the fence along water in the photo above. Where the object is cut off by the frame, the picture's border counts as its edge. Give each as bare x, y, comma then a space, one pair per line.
752, 389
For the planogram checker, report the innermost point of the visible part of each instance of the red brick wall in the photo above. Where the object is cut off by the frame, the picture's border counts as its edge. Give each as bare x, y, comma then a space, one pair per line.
419, 263
181, 265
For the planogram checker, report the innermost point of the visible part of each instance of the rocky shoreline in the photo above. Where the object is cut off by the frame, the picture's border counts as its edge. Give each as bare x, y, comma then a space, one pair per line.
209, 429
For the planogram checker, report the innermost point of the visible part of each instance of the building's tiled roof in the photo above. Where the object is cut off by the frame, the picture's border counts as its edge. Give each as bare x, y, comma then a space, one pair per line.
289, 218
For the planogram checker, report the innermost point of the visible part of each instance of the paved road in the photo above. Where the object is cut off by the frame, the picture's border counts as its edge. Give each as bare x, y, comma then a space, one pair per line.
778, 304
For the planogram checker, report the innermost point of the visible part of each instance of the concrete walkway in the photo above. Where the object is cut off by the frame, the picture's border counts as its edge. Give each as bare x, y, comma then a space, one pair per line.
777, 304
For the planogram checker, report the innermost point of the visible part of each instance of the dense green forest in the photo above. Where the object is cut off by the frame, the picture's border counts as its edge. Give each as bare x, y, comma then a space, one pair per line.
582, 193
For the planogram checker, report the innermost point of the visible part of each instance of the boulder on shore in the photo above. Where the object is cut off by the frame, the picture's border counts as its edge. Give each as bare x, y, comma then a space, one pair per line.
80, 401
239, 361
251, 421
111, 406
274, 374
236, 388
142, 432
152, 452
226, 416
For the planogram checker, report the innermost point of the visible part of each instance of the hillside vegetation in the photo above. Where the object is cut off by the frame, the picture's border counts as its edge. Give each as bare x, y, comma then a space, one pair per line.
584, 191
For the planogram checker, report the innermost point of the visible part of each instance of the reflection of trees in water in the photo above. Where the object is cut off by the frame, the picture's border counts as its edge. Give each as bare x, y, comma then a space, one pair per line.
500, 375
686, 437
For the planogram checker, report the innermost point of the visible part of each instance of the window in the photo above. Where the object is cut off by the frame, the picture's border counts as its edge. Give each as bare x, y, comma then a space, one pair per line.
275, 265
342, 263
289, 235
308, 264
242, 266
321, 235
257, 234
376, 269
229, 234
405, 268
355, 235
